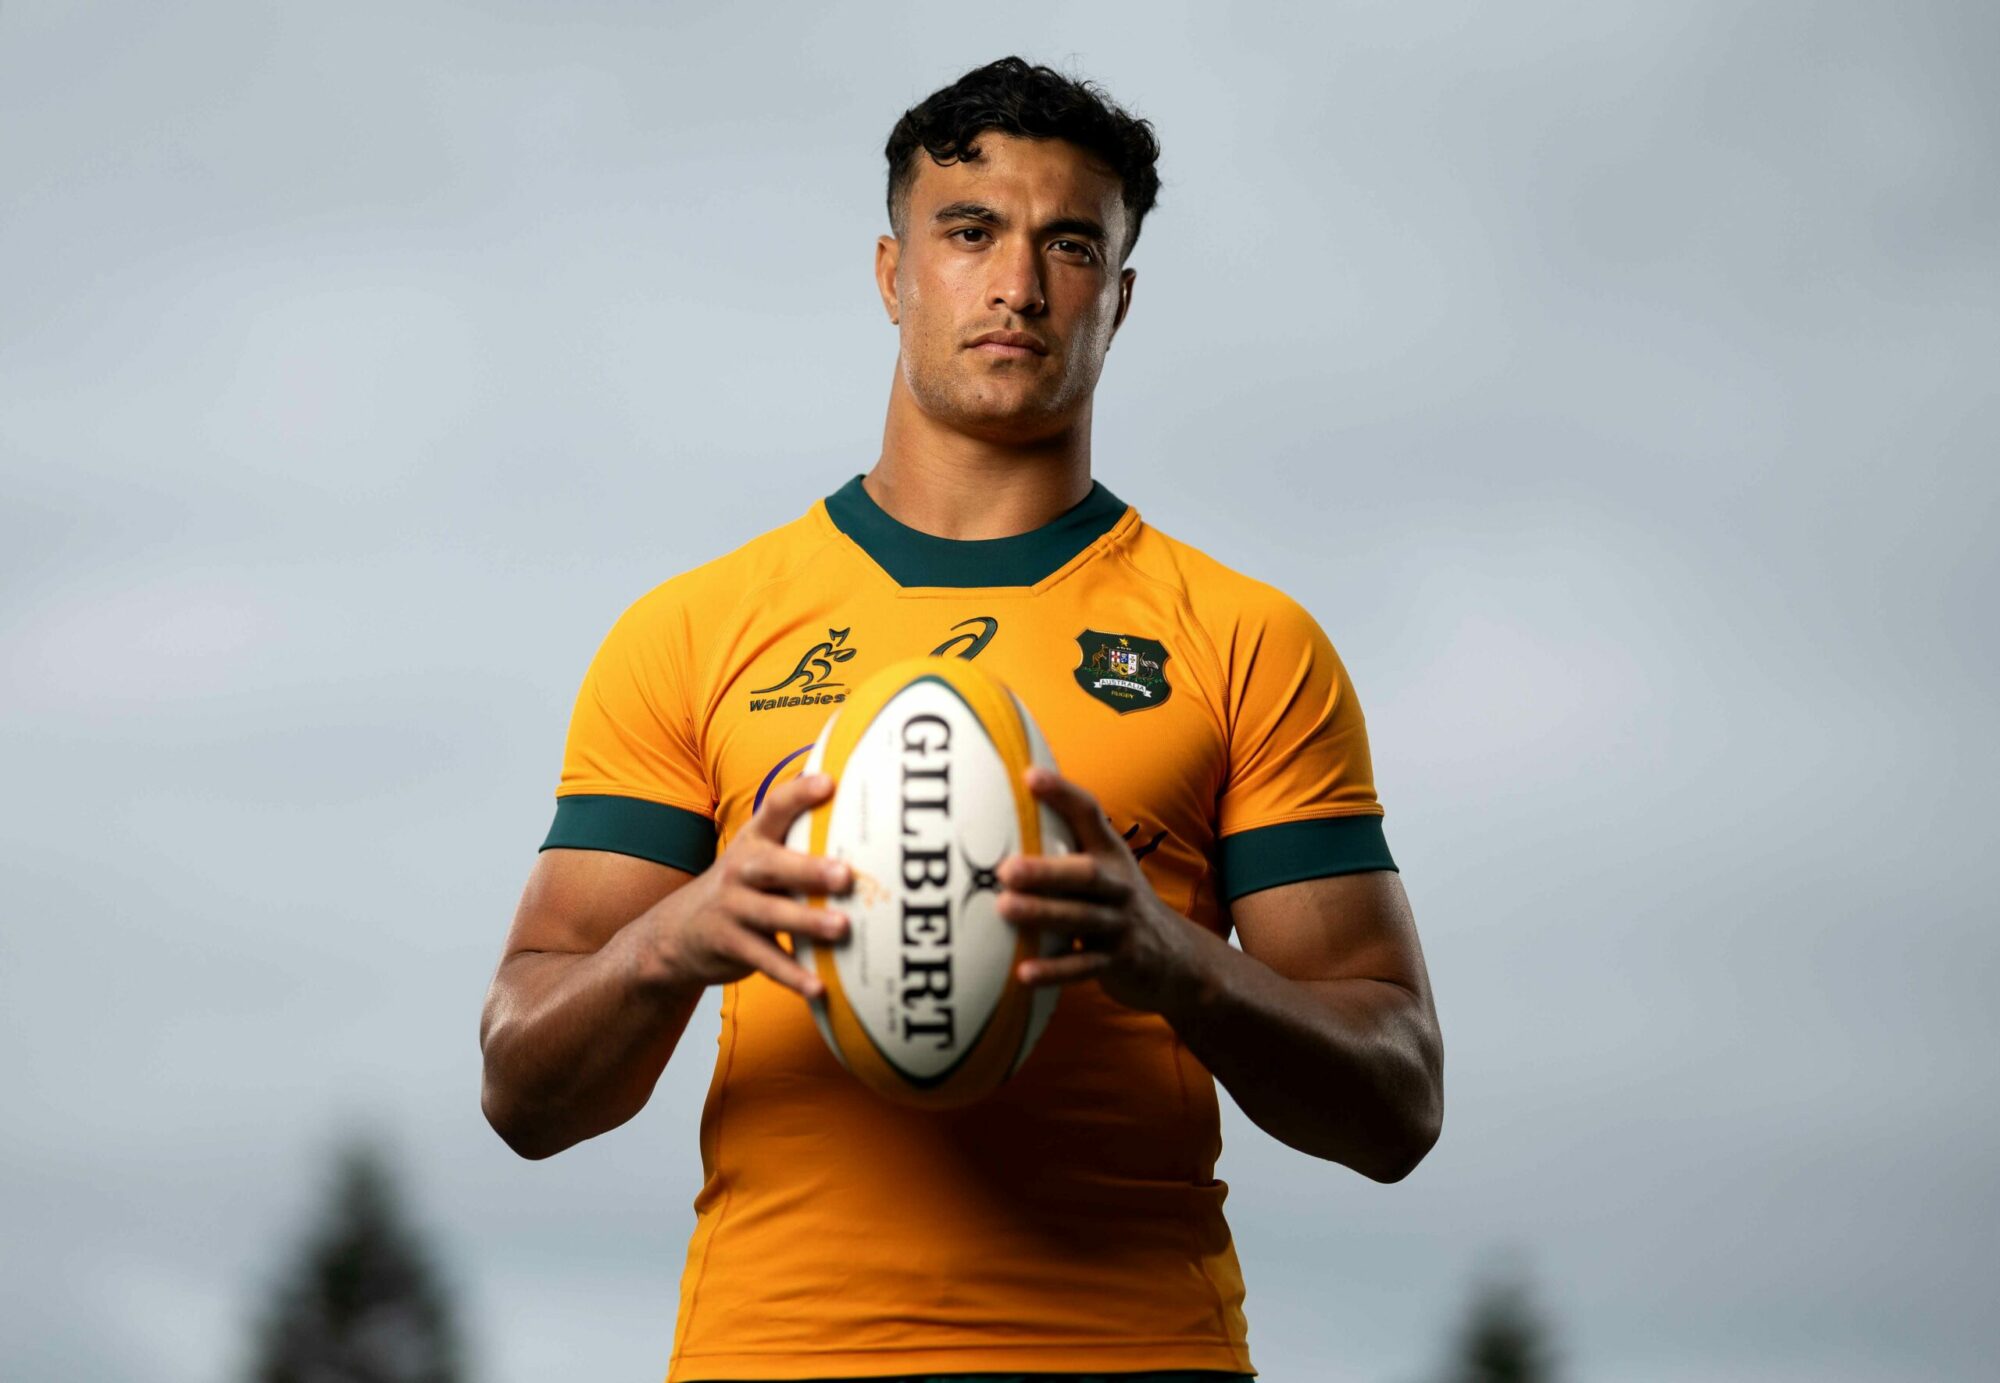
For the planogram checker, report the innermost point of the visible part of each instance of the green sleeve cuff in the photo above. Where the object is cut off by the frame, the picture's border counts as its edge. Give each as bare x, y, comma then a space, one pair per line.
633, 826
1295, 850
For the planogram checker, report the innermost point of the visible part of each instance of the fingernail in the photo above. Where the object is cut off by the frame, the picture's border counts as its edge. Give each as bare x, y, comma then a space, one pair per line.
819, 782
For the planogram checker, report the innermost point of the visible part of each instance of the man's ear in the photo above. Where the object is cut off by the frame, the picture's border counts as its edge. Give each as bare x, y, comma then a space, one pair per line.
888, 250
1125, 281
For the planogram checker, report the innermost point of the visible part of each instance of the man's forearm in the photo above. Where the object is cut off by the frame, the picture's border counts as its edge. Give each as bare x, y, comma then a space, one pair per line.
575, 1043
1346, 1070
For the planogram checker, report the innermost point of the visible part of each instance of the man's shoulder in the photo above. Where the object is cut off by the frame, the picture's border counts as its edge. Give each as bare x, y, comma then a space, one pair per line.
1221, 597
714, 588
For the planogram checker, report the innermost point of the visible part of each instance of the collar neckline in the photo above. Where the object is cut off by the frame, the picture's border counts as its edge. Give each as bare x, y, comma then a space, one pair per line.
915, 558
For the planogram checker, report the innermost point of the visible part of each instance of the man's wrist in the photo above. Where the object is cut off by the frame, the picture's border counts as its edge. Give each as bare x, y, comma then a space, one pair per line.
1196, 984
651, 962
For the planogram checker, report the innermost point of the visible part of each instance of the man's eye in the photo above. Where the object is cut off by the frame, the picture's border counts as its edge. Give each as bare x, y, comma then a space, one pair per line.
970, 230
1075, 247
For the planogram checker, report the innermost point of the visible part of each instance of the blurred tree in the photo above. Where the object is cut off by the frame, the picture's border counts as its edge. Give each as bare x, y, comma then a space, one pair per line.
361, 1303
1504, 1338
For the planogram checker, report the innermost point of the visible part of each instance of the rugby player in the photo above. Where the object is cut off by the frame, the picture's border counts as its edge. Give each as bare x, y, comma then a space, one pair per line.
1215, 770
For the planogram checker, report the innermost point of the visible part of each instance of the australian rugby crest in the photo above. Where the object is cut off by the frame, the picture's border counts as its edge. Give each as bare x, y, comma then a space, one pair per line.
1124, 671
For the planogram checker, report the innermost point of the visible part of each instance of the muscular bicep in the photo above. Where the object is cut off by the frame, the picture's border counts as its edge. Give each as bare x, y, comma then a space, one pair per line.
576, 900
574, 903
1344, 927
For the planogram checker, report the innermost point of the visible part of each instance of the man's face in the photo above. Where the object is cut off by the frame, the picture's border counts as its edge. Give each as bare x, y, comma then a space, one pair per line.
1023, 240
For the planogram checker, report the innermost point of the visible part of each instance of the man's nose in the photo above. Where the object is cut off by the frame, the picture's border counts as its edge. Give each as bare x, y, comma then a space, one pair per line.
1017, 282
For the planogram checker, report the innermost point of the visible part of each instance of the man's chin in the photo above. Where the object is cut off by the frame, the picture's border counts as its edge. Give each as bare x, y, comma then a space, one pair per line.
1000, 405
1025, 420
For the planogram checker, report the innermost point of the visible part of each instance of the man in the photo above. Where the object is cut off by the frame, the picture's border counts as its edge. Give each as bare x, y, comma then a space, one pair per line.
1215, 771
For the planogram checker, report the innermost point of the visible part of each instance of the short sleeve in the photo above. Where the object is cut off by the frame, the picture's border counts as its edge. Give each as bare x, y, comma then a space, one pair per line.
1299, 799
632, 778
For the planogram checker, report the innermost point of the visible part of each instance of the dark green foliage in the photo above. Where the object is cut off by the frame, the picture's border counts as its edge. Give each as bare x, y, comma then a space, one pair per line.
1504, 1339
361, 1304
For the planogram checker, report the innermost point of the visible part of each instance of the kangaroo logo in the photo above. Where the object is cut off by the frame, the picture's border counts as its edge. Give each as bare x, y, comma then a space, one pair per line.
815, 666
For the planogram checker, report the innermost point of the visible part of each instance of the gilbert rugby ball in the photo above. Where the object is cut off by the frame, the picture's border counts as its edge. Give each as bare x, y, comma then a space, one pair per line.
921, 1001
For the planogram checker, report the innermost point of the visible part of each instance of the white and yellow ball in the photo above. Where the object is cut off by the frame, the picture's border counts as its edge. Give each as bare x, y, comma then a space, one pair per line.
922, 1002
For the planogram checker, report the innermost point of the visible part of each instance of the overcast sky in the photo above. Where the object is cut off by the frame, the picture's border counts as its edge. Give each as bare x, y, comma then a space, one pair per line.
1614, 381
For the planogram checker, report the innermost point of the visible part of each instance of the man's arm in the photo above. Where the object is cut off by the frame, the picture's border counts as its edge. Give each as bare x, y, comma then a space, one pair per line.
1321, 1027
574, 1038
609, 955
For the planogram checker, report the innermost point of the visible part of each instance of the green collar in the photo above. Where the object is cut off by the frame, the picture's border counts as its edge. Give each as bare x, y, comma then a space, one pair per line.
914, 558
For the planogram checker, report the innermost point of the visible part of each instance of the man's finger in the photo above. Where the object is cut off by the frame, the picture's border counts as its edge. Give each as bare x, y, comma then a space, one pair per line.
760, 953
771, 912
775, 869
1080, 965
1072, 876
1075, 806
784, 802
1059, 914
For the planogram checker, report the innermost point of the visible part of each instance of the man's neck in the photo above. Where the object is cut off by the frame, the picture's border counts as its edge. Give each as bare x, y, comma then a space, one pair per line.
952, 485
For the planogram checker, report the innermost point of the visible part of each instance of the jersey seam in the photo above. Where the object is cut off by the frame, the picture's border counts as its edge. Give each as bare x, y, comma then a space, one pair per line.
707, 677
617, 790
1188, 1224
1103, 543
1179, 593
788, 573
1107, 544
728, 1195
1217, 715
834, 533
1292, 817
1224, 1340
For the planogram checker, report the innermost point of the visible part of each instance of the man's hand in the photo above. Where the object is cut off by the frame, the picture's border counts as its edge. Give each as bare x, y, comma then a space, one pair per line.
724, 924
1143, 952
1328, 1040
609, 956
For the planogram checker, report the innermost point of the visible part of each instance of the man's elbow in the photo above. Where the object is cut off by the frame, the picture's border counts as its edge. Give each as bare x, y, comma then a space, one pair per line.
1410, 1148
1418, 1118
517, 1133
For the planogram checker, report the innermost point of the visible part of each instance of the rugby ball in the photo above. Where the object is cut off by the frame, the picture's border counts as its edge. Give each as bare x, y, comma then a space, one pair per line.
921, 1000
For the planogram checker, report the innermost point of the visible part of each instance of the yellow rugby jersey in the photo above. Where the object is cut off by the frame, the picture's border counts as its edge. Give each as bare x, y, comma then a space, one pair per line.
1072, 1221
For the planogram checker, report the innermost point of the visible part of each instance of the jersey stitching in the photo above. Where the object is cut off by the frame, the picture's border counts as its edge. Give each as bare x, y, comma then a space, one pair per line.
1110, 538
607, 788
1311, 814
708, 679
722, 1210
1178, 592
789, 572
1109, 544
1137, 1340
1188, 1219
1218, 717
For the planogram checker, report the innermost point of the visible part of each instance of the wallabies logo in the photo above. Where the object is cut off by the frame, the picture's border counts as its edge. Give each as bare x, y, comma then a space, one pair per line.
811, 680
1125, 672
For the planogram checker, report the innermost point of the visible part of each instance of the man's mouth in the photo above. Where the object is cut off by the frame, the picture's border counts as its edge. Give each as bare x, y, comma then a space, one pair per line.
1009, 345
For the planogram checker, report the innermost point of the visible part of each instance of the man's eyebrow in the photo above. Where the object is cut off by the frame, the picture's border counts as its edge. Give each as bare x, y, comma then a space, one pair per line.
1080, 226
969, 211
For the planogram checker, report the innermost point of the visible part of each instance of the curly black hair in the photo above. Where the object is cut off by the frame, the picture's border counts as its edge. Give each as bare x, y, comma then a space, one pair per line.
1013, 97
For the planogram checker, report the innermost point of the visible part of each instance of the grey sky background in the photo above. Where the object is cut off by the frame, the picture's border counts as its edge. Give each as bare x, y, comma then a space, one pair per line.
1614, 381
